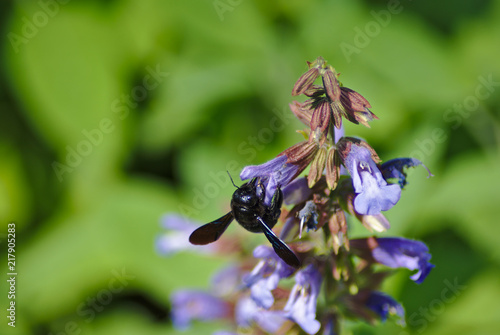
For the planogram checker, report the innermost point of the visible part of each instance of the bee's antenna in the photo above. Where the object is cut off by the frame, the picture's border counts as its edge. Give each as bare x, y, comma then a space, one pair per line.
231, 179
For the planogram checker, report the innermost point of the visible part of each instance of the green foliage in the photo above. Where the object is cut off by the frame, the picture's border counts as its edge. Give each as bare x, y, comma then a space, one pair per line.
87, 172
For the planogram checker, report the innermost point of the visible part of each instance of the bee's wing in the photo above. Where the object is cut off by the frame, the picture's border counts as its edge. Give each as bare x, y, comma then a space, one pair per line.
279, 246
211, 231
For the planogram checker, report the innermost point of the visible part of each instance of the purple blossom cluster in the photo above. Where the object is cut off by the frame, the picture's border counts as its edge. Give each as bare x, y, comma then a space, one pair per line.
339, 277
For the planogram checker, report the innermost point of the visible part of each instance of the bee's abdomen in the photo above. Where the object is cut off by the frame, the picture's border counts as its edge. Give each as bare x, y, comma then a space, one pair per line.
247, 218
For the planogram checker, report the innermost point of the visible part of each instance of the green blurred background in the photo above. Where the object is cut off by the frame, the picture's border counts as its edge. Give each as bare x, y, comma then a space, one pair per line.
116, 112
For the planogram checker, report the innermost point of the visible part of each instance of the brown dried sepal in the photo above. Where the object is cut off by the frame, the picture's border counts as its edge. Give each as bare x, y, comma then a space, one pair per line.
322, 210
338, 228
317, 167
344, 148
332, 168
315, 91
331, 84
302, 112
321, 118
363, 247
305, 81
301, 154
337, 112
356, 107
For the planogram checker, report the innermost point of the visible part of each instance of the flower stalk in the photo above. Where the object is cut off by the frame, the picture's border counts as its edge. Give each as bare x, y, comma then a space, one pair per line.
328, 182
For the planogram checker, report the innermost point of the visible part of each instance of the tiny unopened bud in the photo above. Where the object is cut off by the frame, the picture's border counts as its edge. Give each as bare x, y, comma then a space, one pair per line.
353, 289
318, 63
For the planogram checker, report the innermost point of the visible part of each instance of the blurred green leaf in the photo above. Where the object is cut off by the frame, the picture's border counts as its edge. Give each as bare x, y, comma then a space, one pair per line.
82, 252
227, 72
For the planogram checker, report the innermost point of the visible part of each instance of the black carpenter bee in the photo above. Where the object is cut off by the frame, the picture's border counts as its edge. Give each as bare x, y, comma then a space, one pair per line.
248, 208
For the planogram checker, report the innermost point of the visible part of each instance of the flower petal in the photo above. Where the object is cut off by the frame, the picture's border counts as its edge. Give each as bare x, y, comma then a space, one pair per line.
188, 305
173, 221
395, 169
266, 275
375, 198
383, 305
301, 305
296, 192
176, 238
397, 252
273, 173
265, 169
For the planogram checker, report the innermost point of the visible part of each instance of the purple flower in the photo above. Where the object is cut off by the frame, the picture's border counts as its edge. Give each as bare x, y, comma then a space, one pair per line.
188, 305
296, 192
274, 173
270, 321
338, 133
373, 192
177, 236
383, 305
226, 281
398, 252
394, 169
247, 312
266, 275
301, 305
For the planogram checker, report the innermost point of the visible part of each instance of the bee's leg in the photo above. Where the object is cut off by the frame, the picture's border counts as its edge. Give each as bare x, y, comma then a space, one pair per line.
274, 211
277, 200
252, 182
261, 190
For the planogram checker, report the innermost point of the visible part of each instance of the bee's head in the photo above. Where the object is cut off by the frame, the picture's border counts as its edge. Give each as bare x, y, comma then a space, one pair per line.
247, 194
